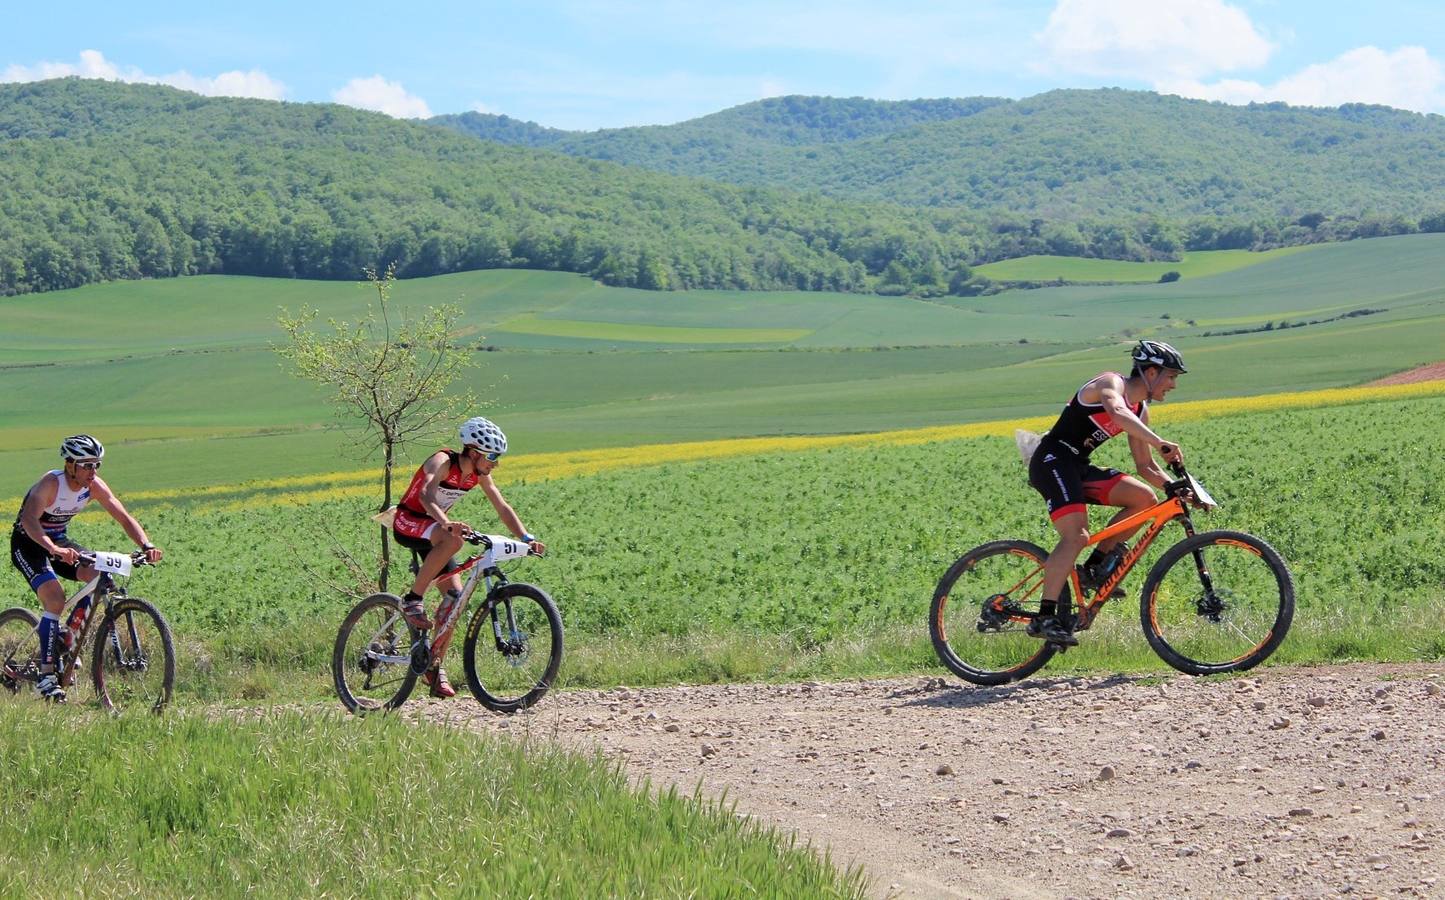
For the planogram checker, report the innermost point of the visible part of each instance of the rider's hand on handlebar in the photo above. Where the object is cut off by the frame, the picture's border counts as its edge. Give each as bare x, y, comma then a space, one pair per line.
538, 548
152, 555
458, 529
68, 555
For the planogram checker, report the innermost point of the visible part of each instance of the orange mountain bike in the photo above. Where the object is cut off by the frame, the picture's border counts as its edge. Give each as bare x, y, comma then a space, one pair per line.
1217, 601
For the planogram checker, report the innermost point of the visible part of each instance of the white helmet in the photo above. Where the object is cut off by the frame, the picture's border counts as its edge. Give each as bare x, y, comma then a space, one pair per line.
81, 446
482, 434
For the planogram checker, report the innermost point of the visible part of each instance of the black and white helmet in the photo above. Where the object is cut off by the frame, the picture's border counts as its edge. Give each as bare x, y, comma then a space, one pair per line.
81, 446
1157, 353
482, 434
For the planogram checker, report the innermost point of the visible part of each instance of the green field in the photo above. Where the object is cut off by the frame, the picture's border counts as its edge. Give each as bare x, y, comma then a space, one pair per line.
1196, 264
820, 563
179, 378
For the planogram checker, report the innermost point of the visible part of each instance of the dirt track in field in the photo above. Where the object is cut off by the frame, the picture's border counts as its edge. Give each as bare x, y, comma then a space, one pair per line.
1286, 782
1432, 372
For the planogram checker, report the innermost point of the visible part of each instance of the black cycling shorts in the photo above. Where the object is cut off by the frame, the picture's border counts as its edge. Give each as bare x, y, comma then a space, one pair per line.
1067, 482
38, 566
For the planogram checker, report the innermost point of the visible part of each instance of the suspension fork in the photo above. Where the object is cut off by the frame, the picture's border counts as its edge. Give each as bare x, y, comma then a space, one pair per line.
1200, 565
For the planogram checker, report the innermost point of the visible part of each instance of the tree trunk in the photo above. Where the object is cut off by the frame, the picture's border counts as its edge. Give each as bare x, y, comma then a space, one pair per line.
385, 505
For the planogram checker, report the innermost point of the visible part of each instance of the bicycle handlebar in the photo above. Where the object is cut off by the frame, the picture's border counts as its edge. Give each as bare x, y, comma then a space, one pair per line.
137, 558
477, 539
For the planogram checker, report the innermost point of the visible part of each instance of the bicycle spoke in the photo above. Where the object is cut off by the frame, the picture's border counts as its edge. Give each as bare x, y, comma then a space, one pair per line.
1217, 602
981, 610
133, 663
513, 648
371, 662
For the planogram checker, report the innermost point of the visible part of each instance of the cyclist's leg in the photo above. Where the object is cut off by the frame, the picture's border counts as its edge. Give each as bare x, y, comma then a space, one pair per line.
1110, 487
1072, 524
444, 545
42, 572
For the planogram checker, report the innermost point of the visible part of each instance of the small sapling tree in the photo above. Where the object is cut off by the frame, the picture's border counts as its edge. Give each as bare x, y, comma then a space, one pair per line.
389, 380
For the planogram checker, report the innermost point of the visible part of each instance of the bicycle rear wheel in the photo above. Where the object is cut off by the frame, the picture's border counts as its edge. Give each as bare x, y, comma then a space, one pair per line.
372, 661
513, 647
19, 649
133, 665
981, 609
1220, 601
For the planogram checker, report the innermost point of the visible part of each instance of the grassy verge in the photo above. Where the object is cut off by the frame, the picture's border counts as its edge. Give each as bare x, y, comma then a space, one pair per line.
287, 805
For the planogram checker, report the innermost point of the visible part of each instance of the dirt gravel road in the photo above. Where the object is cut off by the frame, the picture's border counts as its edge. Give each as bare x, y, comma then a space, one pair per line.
1299, 782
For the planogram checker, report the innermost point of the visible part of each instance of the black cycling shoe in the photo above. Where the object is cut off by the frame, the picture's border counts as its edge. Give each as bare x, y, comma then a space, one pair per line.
1052, 630
1090, 583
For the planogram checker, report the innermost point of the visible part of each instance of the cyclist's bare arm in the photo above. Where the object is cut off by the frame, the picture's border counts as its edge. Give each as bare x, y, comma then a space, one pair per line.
435, 469
1144, 462
505, 512
41, 496
108, 501
1111, 395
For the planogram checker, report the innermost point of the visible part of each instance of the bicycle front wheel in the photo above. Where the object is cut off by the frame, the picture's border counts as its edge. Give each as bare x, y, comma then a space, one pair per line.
981, 609
1220, 601
372, 660
133, 665
19, 649
513, 647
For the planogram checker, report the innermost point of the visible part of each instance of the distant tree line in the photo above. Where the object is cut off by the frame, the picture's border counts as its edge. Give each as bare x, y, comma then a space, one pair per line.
105, 181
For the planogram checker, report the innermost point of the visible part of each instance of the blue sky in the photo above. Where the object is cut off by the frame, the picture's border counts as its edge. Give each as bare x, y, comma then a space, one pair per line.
584, 64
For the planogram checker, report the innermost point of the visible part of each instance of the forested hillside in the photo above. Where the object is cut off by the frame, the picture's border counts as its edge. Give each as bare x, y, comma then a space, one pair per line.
1065, 156
105, 181
111, 181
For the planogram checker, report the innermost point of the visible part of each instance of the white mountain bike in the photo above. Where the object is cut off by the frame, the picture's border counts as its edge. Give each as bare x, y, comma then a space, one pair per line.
133, 660
512, 650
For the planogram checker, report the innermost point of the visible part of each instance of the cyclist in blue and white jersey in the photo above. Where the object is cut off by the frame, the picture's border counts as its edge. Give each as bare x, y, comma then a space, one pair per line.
42, 551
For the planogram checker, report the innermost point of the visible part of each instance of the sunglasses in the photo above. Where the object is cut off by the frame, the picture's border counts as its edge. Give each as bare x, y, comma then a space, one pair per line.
93, 465
489, 457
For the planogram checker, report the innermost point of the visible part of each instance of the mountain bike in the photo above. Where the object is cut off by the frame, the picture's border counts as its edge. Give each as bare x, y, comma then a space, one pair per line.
133, 659
1217, 601
511, 652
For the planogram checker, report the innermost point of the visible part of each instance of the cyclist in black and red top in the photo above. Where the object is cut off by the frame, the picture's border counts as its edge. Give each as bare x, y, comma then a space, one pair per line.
1060, 470
422, 523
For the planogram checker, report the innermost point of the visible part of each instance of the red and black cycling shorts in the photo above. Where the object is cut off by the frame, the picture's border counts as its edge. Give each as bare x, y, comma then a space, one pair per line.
1067, 482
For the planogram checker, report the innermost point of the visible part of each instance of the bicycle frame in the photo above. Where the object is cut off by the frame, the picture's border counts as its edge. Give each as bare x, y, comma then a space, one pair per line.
1157, 517
447, 627
101, 589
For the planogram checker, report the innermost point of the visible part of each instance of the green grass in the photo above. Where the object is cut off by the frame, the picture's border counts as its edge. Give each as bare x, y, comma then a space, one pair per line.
1198, 264
821, 563
288, 804
178, 377
653, 334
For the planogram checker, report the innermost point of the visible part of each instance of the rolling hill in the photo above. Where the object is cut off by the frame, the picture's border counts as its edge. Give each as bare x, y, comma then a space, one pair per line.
1063, 156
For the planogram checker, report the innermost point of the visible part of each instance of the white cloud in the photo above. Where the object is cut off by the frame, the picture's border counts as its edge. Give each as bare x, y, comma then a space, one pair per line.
383, 96
1152, 39
93, 64
1409, 78
771, 87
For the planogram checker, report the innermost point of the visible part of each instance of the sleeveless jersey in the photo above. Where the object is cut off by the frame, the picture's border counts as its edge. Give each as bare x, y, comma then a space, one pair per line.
452, 487
1082, 427
68, 502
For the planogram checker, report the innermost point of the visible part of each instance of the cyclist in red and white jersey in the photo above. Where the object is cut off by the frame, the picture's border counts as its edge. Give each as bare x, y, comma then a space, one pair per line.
1107, 405
41, 550
423, 522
